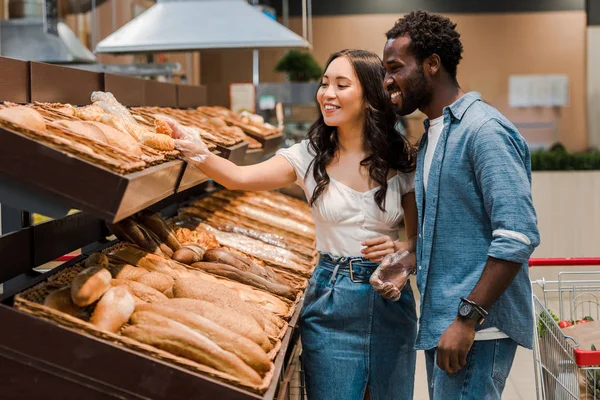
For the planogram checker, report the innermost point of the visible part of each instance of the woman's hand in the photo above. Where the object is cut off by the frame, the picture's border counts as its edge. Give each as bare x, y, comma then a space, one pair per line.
376, 249
187, 140
197, 150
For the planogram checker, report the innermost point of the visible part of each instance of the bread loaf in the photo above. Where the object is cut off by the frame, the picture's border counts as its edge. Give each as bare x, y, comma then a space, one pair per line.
182, 341
145, 293
89, 285
150, 262
245, 277
114, 309
83, 128
261, 299
96, 260
221, 295
137, 235
243, 325
158, 142
156, 280
122, 140
24, 116
156, 224
162, 127
166, 250
244, 348
189, 254
61, 300
126, 271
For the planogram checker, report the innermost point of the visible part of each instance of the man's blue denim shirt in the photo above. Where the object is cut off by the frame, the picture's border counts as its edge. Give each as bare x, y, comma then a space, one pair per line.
478, 205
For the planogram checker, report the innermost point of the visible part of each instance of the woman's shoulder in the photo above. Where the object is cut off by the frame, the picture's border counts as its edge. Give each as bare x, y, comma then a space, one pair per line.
406, 181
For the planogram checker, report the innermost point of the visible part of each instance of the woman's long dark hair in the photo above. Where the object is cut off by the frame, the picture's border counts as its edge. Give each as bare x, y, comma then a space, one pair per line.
388, 149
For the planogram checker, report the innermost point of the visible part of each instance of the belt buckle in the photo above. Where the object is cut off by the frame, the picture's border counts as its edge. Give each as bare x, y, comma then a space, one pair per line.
352, 274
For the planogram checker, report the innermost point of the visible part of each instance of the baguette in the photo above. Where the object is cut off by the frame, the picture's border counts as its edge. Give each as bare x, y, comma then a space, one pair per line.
154, 239
145, 293
119, 139
156, 224
89, 285
189, 254
156, 280
247, 278
244, 348
182, 341
126, 271
219, 294
83, 128
243, 325
151, 262
263, 300
236, 260
114, 309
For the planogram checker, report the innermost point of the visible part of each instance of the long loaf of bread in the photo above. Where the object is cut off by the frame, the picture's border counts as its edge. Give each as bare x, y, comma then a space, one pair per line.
145, 293
151, 262
243, 325
222, 296
248, 278
114, 309
248, 351
182, 341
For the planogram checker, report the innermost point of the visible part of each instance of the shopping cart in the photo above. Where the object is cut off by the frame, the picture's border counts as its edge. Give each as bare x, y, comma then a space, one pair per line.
562, 370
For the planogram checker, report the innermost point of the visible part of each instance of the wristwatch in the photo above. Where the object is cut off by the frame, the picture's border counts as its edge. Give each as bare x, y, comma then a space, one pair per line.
468, 309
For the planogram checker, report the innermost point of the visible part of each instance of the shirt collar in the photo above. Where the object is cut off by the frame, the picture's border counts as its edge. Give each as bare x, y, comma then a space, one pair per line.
459, 107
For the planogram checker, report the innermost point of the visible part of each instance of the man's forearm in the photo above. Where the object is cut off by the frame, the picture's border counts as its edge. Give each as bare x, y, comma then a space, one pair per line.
495, 279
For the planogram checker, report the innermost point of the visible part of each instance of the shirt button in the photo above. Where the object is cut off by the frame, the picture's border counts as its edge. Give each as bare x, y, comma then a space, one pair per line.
420, 267
420, 236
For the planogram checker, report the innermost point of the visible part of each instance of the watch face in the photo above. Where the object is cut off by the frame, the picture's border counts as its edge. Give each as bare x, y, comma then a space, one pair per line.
465, 309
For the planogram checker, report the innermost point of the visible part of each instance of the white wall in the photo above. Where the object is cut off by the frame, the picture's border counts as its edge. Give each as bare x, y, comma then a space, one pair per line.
593, 84
568, 209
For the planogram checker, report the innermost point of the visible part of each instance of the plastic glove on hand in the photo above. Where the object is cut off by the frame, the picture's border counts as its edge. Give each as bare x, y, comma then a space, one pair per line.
392, 274
194, 150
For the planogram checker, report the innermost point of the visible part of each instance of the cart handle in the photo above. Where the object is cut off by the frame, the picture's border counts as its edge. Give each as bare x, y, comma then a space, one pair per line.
550, 262
587, 358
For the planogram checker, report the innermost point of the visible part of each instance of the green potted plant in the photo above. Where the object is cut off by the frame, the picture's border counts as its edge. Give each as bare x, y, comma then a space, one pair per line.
300, 66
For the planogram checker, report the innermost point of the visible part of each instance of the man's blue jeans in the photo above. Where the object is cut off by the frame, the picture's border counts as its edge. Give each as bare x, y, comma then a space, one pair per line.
483, 378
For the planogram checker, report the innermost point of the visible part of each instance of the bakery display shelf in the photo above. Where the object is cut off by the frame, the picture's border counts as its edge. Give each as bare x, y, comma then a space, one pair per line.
270, 143
235, 153
253, 156
32, 173
81, 365
23, 250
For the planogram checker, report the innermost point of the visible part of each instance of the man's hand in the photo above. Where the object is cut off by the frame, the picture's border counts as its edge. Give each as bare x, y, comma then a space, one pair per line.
454, 345
376, 249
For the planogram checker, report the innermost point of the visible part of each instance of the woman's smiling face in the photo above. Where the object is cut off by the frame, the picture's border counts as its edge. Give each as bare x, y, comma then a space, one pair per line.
340, 95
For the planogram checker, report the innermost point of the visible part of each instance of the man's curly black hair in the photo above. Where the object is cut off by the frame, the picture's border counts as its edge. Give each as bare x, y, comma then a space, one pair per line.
430, 34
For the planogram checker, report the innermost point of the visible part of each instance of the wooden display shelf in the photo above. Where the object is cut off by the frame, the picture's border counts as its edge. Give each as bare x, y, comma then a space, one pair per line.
107, 370
253, 156
235, 154
33, 173
270, 143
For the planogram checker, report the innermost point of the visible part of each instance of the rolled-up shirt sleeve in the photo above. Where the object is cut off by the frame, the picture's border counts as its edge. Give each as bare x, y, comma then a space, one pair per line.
501, 162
